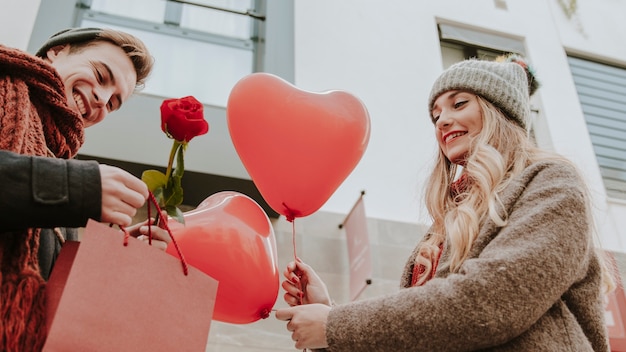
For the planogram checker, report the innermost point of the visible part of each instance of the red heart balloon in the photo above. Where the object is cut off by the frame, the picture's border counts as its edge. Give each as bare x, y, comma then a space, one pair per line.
230, 238
297, 146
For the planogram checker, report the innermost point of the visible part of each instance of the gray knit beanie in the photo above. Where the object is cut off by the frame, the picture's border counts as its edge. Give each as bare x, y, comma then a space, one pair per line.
507, 83
68, 36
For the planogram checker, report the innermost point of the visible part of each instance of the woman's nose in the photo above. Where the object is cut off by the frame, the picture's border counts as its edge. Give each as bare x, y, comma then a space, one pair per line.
443, 120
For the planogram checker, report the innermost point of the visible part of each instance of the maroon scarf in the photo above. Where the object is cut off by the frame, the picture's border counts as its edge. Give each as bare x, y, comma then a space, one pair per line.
34, 120
457, 188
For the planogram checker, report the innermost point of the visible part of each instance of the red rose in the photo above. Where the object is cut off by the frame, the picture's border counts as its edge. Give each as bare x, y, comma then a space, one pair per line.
183, 119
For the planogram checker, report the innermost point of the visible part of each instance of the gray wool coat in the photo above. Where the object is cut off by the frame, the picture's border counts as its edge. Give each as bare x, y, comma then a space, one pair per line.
532, 285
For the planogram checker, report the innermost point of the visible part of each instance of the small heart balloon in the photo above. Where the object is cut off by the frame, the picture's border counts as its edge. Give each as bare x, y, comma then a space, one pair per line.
297, 146
230, 238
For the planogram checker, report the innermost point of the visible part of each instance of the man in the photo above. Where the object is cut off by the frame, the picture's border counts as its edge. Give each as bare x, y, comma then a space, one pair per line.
49, 192
78, 77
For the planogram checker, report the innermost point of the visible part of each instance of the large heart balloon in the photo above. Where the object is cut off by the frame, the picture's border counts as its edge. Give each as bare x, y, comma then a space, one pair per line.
230, 238
297, 146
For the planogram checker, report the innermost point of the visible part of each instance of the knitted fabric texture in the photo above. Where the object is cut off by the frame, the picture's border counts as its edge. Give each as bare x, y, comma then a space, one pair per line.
34, 120
504, 84
35, 114
533, 285
68, 36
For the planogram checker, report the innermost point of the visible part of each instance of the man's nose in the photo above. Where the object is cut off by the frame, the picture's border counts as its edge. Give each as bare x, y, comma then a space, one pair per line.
102, 96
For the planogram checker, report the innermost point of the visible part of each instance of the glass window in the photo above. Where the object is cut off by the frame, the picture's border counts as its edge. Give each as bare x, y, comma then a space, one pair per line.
479, 39
458, 44
223, 23
147, 10
190, 67
200, 49
602, 93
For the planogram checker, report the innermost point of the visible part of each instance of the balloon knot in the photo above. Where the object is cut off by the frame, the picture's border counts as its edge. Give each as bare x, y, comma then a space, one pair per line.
265, 313
289, 214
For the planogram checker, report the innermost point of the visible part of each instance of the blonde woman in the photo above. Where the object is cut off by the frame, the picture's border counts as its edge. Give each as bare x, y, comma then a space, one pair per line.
509, 263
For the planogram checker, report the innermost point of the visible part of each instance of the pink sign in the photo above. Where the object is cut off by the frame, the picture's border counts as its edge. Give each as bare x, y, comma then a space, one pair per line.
615, 315
359, 254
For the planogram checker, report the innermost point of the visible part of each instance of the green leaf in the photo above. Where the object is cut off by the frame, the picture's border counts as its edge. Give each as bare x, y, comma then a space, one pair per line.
154, 180
175, 213
180, 161
159, 196
173, 191
173, 197
167, 188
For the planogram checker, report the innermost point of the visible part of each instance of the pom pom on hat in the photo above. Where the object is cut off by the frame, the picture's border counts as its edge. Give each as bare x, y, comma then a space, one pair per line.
533, 83
508, 82
68, 36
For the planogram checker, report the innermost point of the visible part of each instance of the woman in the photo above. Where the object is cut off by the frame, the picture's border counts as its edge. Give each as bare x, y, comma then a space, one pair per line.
509, 262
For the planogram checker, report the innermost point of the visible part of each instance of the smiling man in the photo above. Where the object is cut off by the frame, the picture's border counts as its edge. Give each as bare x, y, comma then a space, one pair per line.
100, 68
77, 77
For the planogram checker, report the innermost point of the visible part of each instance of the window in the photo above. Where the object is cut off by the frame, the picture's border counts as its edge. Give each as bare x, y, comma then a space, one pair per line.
602, 93
454, 52
202, 48
459, 43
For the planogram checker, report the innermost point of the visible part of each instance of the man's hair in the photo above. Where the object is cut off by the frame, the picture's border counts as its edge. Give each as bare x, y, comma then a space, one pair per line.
134, 48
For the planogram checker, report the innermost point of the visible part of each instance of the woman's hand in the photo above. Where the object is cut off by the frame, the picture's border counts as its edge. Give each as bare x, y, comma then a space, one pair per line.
307, 324
303, 285
160, 237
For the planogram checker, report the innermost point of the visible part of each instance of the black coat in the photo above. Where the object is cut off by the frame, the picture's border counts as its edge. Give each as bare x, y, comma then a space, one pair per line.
45, 193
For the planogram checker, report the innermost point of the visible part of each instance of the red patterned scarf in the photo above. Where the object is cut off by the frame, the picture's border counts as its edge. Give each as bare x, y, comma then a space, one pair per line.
34, 120
419, 269
457, 188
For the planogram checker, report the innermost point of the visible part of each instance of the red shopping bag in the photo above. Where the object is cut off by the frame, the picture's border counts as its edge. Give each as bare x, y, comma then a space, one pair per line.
106, 296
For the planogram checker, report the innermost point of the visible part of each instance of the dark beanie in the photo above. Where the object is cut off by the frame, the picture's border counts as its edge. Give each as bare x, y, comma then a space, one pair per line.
68, 36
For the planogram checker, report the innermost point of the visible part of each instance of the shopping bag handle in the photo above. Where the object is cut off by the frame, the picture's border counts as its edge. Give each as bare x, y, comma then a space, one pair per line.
163, 221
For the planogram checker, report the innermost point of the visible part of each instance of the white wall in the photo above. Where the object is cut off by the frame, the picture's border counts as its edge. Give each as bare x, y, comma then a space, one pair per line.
598, 32
387, 53
16, 22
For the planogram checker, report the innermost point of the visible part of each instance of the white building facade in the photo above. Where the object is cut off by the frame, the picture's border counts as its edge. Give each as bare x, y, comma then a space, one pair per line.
388, 53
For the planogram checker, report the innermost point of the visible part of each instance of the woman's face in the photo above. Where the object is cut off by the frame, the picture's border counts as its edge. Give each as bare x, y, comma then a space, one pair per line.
457, 118
98, 78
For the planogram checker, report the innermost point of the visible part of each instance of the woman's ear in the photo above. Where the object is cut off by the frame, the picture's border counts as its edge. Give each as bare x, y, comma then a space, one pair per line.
58, 50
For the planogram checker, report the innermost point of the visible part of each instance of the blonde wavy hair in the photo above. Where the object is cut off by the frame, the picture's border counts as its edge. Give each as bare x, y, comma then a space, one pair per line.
501, 151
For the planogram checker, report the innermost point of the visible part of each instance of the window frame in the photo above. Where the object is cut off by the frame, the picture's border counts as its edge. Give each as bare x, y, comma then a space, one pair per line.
590, 89
474, 43
170, 27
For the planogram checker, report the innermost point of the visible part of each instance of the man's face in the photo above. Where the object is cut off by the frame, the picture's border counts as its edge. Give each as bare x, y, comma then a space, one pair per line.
98, 78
